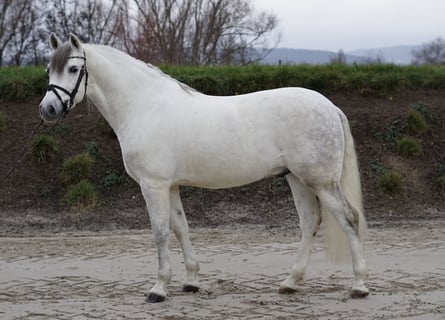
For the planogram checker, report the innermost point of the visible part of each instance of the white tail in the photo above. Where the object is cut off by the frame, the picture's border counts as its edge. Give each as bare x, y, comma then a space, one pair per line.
333, 235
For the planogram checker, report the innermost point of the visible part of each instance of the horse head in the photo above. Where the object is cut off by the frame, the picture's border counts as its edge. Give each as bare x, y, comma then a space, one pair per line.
68, 78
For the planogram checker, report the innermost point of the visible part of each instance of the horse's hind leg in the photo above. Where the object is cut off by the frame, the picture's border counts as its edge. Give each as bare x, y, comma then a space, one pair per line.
333, 199
309, 214
178, 223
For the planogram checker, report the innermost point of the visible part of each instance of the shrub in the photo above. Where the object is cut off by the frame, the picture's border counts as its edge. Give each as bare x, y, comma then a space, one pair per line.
392, 132
112, 179
390, 181
376, 165
82, 195
92, 149
60, 130
423, 110
21, 84
2, 122
408, 146
76, 168
415, 122
43, 147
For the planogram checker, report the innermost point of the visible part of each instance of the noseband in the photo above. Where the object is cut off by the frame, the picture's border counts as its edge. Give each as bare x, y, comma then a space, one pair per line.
67, 105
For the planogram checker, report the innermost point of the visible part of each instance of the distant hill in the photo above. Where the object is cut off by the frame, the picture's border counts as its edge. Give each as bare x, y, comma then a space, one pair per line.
397, 54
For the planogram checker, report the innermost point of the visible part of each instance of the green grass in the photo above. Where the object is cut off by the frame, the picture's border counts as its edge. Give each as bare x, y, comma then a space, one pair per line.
82, 196
23, 83
415, 122
43, 147
227, 80
76, 168
409, 146
390, 181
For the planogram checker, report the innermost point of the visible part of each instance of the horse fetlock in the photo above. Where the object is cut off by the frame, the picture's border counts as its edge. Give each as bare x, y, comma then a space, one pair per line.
164, 277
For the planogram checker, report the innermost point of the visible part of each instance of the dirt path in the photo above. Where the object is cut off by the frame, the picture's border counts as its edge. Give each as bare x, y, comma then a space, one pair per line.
105, 277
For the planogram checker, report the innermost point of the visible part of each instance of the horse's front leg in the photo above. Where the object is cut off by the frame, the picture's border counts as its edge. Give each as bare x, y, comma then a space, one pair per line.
157, 198
178, 223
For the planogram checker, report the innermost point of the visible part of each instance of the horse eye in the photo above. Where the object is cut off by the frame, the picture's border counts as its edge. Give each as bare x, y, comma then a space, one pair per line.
73, 69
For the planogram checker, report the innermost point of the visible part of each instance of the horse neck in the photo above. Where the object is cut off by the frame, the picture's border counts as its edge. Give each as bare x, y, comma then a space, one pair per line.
122, 87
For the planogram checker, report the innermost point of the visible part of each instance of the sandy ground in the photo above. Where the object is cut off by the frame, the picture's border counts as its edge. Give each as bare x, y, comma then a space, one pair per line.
86, 276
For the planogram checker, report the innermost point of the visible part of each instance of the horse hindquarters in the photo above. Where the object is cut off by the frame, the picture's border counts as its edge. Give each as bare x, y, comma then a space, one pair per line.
334, 180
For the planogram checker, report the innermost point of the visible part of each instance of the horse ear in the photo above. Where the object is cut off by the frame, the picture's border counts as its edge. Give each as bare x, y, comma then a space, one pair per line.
75, 42
54, 42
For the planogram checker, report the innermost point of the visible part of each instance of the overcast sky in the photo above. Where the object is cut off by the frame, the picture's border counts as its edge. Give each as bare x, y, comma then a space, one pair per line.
356, 24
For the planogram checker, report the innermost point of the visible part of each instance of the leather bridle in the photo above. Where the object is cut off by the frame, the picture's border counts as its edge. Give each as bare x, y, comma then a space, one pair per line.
67, 105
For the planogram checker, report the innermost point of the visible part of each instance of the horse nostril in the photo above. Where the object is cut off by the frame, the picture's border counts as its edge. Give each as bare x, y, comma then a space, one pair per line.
51, 110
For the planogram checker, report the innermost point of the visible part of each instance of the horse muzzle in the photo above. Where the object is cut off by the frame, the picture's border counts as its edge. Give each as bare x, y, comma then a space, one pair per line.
51, 111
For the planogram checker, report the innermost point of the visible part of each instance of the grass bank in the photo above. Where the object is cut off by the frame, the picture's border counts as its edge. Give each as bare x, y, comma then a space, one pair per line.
20, 84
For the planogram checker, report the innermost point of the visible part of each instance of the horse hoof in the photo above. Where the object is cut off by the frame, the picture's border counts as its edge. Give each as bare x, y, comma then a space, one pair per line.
190, 288
286, 290
154, 298
358, 294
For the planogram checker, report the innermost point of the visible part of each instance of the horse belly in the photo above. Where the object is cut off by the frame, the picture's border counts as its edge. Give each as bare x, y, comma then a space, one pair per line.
228, 164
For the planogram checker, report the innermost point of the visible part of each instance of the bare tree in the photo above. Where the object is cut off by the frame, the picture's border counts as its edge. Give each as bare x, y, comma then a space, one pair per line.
124, 33
339, 58
92, 21
203, 32
164, 24
430, 53
13, 24
227, 31
23, 40
199, 32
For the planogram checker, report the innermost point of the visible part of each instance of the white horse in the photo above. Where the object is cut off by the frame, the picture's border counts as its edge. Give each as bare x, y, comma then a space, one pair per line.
172, 135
